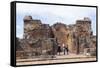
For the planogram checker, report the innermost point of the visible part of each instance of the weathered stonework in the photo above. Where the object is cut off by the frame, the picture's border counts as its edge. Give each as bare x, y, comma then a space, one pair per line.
43, 39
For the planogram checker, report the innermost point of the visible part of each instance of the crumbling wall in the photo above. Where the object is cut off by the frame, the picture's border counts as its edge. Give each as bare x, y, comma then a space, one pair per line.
83, 28
60, 33
76, 37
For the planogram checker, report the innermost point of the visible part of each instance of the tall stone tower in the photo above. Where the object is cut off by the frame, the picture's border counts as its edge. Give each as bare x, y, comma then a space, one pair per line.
83, 30
29, 25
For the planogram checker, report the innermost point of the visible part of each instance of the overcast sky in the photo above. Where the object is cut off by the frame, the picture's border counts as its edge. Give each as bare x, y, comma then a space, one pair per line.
51, 14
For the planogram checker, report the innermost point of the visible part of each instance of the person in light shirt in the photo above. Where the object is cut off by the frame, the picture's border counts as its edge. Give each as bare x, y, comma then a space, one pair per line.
65, 49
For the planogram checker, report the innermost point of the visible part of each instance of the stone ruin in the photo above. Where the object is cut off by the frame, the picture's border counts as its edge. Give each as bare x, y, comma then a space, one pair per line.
38, 39
41, 38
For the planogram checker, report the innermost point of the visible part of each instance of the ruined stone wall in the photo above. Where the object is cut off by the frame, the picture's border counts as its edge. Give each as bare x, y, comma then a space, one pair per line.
29, 25
83, 28
60, 32
71, 41
77, 37
38, 35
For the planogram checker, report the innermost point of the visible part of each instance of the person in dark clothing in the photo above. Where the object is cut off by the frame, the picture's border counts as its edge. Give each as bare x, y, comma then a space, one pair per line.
59, 49
67, 50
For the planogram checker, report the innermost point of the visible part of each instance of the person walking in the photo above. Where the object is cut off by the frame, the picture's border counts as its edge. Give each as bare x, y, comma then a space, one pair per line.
65, 49
59, 49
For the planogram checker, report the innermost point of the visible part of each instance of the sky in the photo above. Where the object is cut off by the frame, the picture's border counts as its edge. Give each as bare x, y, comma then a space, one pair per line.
50, 14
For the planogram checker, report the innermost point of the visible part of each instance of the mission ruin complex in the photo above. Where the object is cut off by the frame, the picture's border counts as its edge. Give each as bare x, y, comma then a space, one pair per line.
40, 39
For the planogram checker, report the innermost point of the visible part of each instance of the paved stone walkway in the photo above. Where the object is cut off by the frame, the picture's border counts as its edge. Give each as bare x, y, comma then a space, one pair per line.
57, 59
